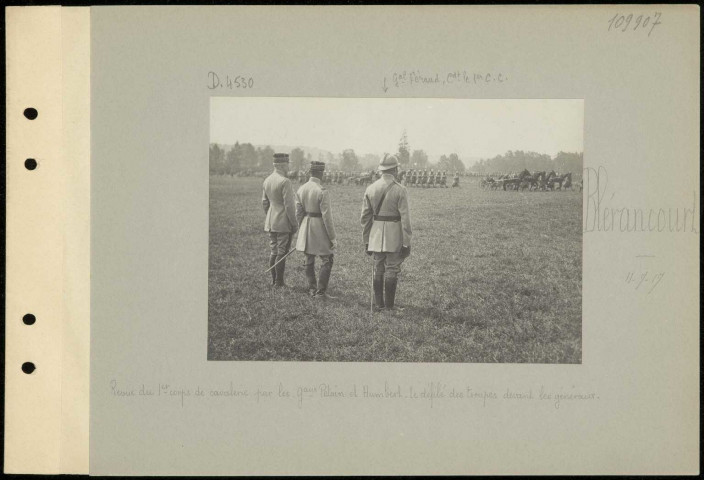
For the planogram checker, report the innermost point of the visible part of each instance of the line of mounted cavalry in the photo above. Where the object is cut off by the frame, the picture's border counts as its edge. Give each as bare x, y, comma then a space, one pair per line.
537, 181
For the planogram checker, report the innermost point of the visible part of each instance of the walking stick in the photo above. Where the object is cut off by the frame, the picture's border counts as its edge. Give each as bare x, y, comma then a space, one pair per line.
371, 298
288, 244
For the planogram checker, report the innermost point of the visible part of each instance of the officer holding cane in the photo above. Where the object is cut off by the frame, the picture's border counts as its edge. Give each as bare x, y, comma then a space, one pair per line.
280, 223
386, 231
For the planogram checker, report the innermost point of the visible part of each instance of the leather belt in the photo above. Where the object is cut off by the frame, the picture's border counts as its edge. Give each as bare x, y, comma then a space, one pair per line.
382, 218
314, 214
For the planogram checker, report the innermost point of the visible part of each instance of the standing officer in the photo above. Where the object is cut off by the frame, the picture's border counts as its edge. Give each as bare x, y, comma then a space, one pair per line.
386, 230
317, 231
279, 205
456, 180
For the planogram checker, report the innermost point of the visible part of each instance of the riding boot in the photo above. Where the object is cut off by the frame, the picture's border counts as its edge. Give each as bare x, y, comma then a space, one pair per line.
272, 261
310, 275
390, 292
324, 277
280, 269
379, 291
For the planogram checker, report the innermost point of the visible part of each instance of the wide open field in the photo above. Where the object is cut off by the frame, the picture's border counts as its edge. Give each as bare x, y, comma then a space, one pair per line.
494, 276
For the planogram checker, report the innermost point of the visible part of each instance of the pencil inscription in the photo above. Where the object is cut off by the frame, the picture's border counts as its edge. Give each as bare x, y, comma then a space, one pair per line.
431, 394
230, 82
647, 280
414, 78
601, 216
631, 22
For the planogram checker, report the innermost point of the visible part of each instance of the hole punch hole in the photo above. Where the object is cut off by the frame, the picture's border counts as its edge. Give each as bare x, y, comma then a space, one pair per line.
28, 367
30, 164
31, 113
29, 319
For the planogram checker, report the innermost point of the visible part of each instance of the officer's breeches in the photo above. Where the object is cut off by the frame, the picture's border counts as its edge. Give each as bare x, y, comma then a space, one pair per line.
387, 264
325, 269
279, 243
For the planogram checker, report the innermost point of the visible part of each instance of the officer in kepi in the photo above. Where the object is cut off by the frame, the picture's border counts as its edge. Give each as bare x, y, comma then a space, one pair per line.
316, 235
279, 204
386, 230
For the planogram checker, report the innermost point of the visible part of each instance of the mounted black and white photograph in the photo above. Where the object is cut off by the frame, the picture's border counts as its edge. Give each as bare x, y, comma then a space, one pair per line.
395, 230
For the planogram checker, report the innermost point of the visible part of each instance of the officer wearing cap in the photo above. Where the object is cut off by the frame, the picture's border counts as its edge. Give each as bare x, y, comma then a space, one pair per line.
386, 230
280, 207
316, 229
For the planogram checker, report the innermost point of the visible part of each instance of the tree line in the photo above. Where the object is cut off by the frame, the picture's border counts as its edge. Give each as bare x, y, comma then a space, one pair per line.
246, 157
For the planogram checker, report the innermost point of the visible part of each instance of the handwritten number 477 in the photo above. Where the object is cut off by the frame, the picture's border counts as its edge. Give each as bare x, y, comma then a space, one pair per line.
622, 22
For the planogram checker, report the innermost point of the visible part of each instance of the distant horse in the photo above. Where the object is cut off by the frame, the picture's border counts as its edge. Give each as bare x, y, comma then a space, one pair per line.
364, 179
549, 180
524, 174
558, 182
533, 181
568, 182
538, 181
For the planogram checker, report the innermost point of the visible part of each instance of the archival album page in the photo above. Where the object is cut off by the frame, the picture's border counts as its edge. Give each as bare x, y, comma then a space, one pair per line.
394, 240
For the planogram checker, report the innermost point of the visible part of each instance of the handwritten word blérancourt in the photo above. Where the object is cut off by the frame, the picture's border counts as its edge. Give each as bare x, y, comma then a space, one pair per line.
602, 216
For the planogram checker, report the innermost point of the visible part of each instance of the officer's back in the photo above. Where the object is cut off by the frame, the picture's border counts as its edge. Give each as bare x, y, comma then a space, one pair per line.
281, 215
391, 226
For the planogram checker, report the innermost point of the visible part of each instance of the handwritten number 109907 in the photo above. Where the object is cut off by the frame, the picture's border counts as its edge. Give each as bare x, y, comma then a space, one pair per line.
621, 22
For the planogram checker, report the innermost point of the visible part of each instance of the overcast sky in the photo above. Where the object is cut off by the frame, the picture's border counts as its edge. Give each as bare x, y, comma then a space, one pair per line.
470, 128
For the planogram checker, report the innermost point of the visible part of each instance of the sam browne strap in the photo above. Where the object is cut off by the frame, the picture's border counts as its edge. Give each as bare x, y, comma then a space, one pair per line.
381, 200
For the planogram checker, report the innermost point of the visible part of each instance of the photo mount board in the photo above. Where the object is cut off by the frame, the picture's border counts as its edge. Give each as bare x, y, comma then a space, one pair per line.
148, 93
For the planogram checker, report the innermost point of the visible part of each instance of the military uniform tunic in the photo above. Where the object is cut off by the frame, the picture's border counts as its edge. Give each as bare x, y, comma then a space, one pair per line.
278, 201
314, 215
385, 234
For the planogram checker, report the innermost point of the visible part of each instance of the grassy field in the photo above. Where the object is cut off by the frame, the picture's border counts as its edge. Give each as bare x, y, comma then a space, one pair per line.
494, 276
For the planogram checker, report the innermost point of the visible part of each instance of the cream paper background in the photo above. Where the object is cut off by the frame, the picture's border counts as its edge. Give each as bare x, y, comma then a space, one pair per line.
48, 240
149, 242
